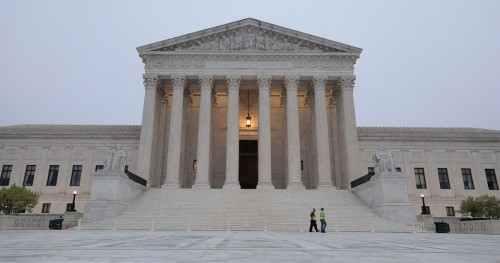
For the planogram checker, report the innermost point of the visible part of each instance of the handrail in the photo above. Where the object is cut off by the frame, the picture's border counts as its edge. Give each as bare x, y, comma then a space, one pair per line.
363, 179
134, 177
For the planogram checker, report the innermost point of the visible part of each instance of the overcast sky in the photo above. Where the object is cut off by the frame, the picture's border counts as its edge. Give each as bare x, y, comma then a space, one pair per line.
424, 63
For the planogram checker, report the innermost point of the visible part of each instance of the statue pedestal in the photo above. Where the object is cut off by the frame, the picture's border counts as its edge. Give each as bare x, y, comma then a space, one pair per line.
387, 194
112, 191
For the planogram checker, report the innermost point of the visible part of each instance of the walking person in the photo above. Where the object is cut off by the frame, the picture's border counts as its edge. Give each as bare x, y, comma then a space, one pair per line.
313, 221
322, 219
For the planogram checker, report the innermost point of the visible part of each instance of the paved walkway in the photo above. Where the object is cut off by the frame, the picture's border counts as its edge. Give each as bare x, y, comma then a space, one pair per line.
247, 246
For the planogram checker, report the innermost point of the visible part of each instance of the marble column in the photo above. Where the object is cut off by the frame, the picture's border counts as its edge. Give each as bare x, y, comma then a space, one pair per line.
322, 139
335, 143
204, 132
292, 129
175, 133
233, 132
147, 127
264, 85
348, 134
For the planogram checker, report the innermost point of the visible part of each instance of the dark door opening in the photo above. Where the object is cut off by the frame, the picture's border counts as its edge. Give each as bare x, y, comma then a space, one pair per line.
249, 164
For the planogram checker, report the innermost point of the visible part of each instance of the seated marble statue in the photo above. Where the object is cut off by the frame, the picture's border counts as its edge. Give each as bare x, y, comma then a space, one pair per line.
115, 159
383, 161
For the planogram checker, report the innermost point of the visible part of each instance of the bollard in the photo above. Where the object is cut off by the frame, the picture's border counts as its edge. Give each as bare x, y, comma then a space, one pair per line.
189, 224
336, 227
153, 225
413, 226
373, 229
79, 223
301, 227
228, 225
265, 225
114, 228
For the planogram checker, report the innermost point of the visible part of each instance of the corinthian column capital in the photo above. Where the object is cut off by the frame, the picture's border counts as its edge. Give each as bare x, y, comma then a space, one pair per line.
233, 82
178, 81
292, 81
347, 82
319, 82
206, 81
264, 81
150, 81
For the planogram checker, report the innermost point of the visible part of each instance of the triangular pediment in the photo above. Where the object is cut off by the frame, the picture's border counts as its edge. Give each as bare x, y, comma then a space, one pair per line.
249, 35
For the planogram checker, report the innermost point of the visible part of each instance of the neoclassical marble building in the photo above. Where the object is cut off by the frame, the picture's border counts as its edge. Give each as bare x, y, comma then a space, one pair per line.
250, 105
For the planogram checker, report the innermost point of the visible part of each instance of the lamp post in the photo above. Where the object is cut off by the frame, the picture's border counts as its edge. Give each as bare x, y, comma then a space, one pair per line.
73, 204
425, 209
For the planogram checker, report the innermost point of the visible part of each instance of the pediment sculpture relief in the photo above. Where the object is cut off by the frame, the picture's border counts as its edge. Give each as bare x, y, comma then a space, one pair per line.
250, 39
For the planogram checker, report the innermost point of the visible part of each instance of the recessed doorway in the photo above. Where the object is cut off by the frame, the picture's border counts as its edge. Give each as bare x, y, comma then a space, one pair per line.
249, 164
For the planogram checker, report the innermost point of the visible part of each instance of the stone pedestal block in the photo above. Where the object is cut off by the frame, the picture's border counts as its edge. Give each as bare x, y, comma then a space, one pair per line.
387, 194
428, 221
112, 191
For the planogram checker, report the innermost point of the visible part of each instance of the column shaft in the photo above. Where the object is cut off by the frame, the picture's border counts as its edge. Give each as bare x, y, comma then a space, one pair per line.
348, 134
233, 132
175, 134
322, 140
292, 128
335, 142
204, 132
147, 127
264, 85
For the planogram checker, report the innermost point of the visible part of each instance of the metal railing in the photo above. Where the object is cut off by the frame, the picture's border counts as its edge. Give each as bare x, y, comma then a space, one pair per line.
361, 180
134, 177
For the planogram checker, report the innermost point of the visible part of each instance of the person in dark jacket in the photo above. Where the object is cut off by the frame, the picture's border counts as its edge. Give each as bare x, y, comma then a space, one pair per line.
313, 221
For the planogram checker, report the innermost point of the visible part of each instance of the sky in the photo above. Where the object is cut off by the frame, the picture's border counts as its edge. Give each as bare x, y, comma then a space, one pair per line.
424, 63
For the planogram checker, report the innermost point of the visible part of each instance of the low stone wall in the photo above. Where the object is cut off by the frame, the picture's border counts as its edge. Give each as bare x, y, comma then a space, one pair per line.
471, 226
27, 221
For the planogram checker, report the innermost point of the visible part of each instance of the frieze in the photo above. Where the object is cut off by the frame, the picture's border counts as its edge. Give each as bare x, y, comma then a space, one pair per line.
155, 61
249, 39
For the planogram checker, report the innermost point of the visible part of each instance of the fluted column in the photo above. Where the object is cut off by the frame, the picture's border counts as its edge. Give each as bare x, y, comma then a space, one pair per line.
322, 140
204, 132
348, 134
292, 129
335, 142
233, 132
175, 134
148, 126
264, 84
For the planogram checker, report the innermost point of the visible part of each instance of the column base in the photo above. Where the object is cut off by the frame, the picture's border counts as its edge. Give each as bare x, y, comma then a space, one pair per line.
171, 185
266, 185
295, 186
200, 185
231, 185
325, 185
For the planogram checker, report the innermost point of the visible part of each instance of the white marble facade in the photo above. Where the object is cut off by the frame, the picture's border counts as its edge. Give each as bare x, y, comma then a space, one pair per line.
298, 90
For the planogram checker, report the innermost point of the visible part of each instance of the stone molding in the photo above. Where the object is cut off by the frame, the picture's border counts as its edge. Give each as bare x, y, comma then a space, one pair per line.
347, 82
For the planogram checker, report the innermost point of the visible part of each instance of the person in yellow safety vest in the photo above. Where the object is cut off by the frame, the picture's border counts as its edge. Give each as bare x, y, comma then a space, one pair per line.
322, 219
313, 221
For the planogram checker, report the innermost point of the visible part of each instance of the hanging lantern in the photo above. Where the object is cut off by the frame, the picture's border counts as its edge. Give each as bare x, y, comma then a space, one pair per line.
248, 118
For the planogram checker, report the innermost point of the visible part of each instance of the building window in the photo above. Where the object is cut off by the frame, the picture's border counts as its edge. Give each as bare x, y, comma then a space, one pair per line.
450, 211
371, 170
420, 178
53, 173
76, 174
444, 181
467, 176
99, 167
29, 175
46, 208
491, 178
5, 178
69, 207
398, 169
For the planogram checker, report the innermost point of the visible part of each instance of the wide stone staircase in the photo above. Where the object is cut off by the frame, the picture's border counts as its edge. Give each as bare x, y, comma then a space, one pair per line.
257, 209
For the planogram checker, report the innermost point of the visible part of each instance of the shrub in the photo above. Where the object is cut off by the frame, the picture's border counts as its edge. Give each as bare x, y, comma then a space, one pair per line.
15, 199
485, 206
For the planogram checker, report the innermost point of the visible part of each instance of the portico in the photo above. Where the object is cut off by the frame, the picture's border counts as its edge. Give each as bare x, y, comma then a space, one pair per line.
297, 88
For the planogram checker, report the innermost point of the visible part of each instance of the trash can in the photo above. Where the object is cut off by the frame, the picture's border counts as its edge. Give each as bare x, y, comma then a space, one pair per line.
442, 227
56, 224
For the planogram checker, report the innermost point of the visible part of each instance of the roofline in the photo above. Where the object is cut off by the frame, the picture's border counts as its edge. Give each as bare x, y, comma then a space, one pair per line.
245, 22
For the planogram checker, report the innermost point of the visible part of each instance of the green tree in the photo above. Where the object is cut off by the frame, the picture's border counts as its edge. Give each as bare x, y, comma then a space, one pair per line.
484, 206
16, 198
